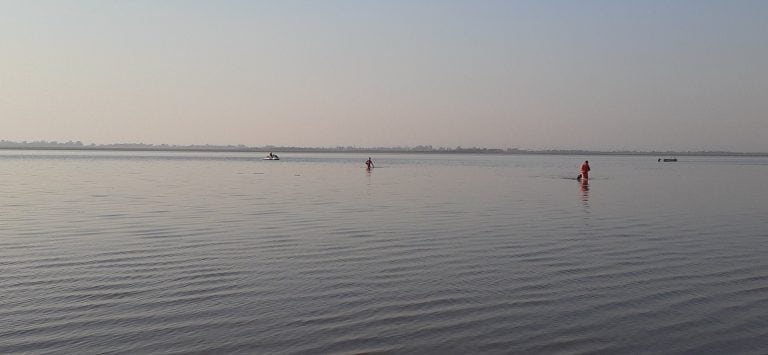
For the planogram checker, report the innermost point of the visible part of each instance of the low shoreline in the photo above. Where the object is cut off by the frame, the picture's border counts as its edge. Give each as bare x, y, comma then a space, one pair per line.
483, 151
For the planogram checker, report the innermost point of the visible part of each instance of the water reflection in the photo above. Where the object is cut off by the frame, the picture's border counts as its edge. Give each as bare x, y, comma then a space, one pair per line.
584, 187
444, 247
368, 180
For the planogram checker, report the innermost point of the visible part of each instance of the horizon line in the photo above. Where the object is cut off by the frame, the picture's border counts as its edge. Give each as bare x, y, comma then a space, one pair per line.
78, 145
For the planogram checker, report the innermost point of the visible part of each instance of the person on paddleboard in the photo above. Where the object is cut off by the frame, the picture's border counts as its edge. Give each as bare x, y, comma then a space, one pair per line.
584, 171
369, 163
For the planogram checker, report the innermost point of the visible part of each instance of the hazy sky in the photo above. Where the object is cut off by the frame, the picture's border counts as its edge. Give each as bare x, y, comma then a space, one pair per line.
671, 74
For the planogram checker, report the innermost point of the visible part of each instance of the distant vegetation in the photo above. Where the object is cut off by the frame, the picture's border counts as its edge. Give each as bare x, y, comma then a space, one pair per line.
78, 145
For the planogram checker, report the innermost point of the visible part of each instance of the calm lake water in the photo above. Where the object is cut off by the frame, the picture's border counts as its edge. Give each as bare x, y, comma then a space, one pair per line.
131, 252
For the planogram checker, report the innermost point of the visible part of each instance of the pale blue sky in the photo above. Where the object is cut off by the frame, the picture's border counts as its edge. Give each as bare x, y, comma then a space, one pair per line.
647, 75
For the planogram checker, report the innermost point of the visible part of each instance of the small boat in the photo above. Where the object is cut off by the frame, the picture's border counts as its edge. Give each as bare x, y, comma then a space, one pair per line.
667, 160
272, 157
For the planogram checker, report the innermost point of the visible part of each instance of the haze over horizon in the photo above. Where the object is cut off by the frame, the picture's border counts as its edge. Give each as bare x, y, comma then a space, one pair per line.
596, 75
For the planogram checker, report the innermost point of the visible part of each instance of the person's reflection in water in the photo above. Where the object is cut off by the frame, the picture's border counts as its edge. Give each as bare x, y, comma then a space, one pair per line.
584, 186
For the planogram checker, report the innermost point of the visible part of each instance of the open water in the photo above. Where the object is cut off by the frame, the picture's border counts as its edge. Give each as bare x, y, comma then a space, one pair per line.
163, 252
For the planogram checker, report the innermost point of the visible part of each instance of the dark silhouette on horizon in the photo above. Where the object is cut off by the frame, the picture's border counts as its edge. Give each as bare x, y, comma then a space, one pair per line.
425, 149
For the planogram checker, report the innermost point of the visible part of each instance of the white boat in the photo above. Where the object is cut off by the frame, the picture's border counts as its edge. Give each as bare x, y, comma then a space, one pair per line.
272, 157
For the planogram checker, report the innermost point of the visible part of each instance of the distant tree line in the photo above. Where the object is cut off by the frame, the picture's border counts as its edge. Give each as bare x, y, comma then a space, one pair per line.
34, 144
78, 145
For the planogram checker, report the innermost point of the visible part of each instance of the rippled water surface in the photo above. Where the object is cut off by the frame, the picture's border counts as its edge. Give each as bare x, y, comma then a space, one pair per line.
128, 252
